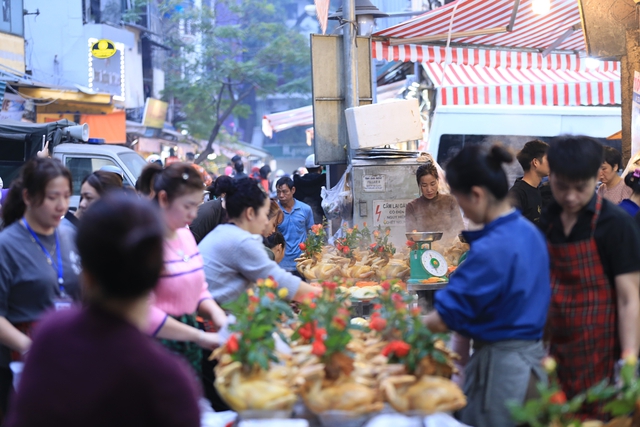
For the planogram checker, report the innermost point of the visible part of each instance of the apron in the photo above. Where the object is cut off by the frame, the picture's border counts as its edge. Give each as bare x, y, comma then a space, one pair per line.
498, 373
190, 351
582, 321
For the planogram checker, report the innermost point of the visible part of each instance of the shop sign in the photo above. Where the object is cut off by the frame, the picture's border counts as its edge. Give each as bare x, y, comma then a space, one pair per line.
374, 183
389, 213
103, 49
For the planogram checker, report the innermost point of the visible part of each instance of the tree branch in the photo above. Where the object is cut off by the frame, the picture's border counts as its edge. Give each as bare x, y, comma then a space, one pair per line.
220, 120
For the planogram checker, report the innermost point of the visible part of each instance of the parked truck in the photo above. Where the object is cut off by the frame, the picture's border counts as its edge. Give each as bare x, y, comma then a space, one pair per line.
20, 141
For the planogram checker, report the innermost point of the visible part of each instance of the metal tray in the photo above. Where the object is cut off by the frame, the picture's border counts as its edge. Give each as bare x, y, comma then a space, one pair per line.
425, 236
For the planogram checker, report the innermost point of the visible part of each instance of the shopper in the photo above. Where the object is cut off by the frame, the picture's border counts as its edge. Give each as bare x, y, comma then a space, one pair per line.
433, 211
525, 194
182, 290
594, 248
39, 264
96, 185
275, 244
212, 213
613, 187
500, 295
265, 171
206, 178
309, 187
144, 184
239, 170
632, 204
234, 256
93, 366
298, 220
275, 217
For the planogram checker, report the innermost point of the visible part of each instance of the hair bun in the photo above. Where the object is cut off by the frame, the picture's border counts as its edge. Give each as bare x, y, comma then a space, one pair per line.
499, 155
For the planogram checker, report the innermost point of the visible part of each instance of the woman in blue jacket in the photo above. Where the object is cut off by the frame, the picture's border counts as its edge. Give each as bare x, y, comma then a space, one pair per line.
499, 297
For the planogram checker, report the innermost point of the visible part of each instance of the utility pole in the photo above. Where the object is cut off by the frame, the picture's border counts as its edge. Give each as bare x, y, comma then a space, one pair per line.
349, 33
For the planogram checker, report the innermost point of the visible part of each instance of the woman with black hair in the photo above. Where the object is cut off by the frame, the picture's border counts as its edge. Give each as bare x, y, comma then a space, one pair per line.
182, 292
433, 211
234, 256
213, 212
613, 187
632, 204
500, 295
135, 382
144, 184
93, 186
39, 264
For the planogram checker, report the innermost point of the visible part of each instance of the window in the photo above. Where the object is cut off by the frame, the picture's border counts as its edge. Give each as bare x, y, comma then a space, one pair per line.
11, 18
133, 162
81, 167
6, 10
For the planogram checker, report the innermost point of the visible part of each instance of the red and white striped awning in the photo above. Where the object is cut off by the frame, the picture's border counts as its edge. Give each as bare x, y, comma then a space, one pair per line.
485, 57
462, 84
492, 23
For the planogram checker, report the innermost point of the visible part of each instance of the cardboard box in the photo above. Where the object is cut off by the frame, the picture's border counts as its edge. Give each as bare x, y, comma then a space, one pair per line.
387, 123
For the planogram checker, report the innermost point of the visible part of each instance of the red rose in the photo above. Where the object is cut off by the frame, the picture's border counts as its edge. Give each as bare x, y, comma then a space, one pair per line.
302, 246
345, 249
339, 323
401, 348
385, 285
558, 398
410, 243
318, 348
396, 298
232, 344
378, 306
320, 334
373, 245
377, 323
306, 331
254, 298
330, 285
271, 296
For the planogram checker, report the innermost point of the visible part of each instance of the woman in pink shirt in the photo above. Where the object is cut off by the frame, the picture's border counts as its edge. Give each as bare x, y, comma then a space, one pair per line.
182, 291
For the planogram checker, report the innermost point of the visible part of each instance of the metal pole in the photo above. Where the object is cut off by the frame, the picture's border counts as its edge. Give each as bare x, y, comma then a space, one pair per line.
350, 63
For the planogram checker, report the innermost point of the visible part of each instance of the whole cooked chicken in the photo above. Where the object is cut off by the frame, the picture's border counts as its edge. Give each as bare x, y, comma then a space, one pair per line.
262, 390
321, 395
426, 394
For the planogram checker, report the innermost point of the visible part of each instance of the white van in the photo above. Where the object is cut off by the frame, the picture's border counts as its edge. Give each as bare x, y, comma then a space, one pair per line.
453, 127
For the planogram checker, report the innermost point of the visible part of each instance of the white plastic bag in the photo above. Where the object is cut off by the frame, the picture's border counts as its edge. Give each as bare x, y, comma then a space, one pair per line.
338, 201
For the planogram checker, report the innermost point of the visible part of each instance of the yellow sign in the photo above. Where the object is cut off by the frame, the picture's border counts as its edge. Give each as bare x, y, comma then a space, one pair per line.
155, 113
103, 49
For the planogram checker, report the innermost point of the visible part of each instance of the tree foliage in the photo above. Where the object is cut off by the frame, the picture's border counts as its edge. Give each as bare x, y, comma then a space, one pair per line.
231, 51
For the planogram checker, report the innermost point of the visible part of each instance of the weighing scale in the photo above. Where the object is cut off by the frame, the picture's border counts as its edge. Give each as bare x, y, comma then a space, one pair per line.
425, 263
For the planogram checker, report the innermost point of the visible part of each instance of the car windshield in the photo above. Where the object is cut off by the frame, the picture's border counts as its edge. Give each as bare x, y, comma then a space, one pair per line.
134, 162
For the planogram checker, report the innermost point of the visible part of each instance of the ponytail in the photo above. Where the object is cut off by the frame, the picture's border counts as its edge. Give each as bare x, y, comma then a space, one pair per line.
477, 166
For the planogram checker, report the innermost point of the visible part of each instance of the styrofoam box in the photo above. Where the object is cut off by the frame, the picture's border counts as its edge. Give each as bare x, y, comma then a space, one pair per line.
386, 123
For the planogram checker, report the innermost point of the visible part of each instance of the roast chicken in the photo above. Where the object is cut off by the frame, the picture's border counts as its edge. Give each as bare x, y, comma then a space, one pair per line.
426, 394
262, 390
343, 394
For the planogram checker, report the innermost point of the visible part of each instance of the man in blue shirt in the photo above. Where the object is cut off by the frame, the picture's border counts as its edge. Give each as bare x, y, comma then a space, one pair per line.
298, 219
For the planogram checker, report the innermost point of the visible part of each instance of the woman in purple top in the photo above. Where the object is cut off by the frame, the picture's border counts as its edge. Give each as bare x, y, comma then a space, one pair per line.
632, 204
94, 366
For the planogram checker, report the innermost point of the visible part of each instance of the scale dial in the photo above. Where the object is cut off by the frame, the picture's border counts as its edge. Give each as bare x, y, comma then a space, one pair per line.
434, 263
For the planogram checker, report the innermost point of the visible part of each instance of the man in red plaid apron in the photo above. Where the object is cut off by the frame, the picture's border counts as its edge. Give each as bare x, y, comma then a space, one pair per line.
594, 249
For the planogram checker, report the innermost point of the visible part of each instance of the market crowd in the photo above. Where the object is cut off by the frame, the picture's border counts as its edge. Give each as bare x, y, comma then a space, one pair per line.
554, 267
